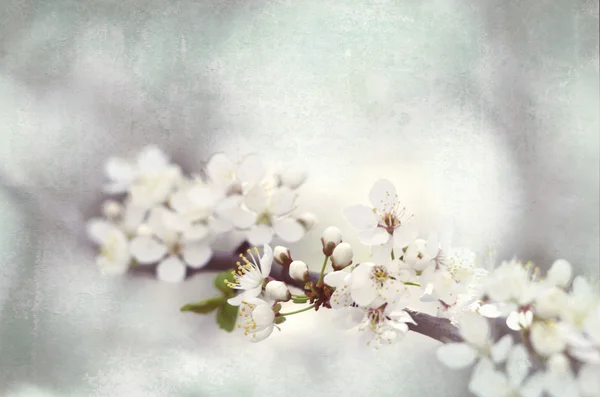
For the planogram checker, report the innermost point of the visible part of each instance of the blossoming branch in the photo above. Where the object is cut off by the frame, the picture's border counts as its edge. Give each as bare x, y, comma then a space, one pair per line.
523, 334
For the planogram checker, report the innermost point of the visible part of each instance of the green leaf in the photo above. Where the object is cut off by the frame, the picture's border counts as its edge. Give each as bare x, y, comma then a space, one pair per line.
222, 285
205, 306
227, 316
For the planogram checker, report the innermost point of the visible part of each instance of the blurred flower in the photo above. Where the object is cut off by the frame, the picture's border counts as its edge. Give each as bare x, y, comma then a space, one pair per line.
114, 257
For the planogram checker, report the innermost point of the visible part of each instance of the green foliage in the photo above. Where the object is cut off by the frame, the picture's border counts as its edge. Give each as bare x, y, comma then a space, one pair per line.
222, 285
206, 306
227, 316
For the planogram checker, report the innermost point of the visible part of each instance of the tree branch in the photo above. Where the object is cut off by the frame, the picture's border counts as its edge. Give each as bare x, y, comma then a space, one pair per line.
434, 327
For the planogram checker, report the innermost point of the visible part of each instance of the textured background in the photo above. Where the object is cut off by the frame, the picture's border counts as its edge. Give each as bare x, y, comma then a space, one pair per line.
485, 115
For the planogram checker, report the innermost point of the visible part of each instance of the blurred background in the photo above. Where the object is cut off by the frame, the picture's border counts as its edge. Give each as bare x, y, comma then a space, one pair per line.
484, 114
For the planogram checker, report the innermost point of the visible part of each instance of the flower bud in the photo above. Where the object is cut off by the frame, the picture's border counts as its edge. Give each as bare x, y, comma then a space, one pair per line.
560, 273
299, 271
277, 291
282, 256
111, 209
331, 237
307, 220
341, 256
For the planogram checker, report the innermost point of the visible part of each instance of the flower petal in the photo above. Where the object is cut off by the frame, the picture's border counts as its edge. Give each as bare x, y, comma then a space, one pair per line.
500, 349
282, 201
336, 279
534, 385
373, 236
151, 159
260, 234
363, 294
171, 270
257, 199
251, 169
474, 328
382, 193
266, 261
517, 365
360, 216
263, 315
456, 355
119, 170
589, 380
197, 255
98, 230
246, 296
221, 169
405, 235
262, 335
195, 232
147, 250
290, 230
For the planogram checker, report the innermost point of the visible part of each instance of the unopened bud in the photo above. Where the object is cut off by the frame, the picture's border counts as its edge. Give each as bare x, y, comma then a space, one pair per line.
341, 256
331, 237
560, 273
282, 256
277, 291
299, 271
111, 209
307, 220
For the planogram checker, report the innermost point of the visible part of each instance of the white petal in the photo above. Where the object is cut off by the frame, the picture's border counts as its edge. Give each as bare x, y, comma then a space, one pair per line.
262, 335
257, 199
500, 350
360, 216
195, 232
373, 236
405, 235
290, 230
219, 226
205, 196
282, 201
246, 296
474, 328
147, 250
456, 355
381, 253
197, 255
171, 270
98, 230
293, 177
589, 380
266, 261
119, 170
335, 279
220, 169
260, 234
364, 294
115, 267
382, 192
251, 169
560, 273
133, 217
263, 315
151, 159
517, 365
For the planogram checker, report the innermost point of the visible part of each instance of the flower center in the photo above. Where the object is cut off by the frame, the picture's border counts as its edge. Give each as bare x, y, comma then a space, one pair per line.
380, 275
264, 219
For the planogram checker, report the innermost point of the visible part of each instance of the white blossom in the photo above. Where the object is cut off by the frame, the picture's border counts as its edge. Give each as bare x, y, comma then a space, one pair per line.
383, 220
114, 256
256, 319
371, 281
173, 244
341, 281
560, 273
384, 325
250, 275
232, 177
547, 338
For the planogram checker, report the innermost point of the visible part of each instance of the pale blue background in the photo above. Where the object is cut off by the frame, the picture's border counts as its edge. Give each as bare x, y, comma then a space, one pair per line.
484, 113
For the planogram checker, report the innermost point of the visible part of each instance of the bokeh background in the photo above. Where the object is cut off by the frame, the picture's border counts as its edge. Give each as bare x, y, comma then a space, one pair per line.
484, 114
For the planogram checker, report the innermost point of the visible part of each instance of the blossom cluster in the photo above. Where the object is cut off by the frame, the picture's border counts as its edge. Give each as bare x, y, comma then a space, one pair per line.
554, 348
160, 216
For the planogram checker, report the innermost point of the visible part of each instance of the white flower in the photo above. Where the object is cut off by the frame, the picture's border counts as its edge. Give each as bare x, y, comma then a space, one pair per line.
341, 281
267, 215
251, 274
382, 220
277, 291
550, 302
560, 273
293, 177
341, 256
371, 281
384, 325
489, 382
114, 257
256, 318
547, 338
173, 243
222, 171
129, 218
330, 238
475, 331
299, 271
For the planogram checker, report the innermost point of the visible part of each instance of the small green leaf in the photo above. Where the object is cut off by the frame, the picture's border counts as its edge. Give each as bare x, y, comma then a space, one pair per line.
226, 316
222, 285
280, 320
205, 306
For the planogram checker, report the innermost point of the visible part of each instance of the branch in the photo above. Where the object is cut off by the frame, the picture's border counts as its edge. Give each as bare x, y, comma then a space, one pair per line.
434, 327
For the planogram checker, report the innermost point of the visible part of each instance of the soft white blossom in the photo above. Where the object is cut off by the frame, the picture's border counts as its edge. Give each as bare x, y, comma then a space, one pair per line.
560, 273
114, 256
371, 281
174, 243
376, 224
250, 275
256, 319
547, 338
384, 325
341, 281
